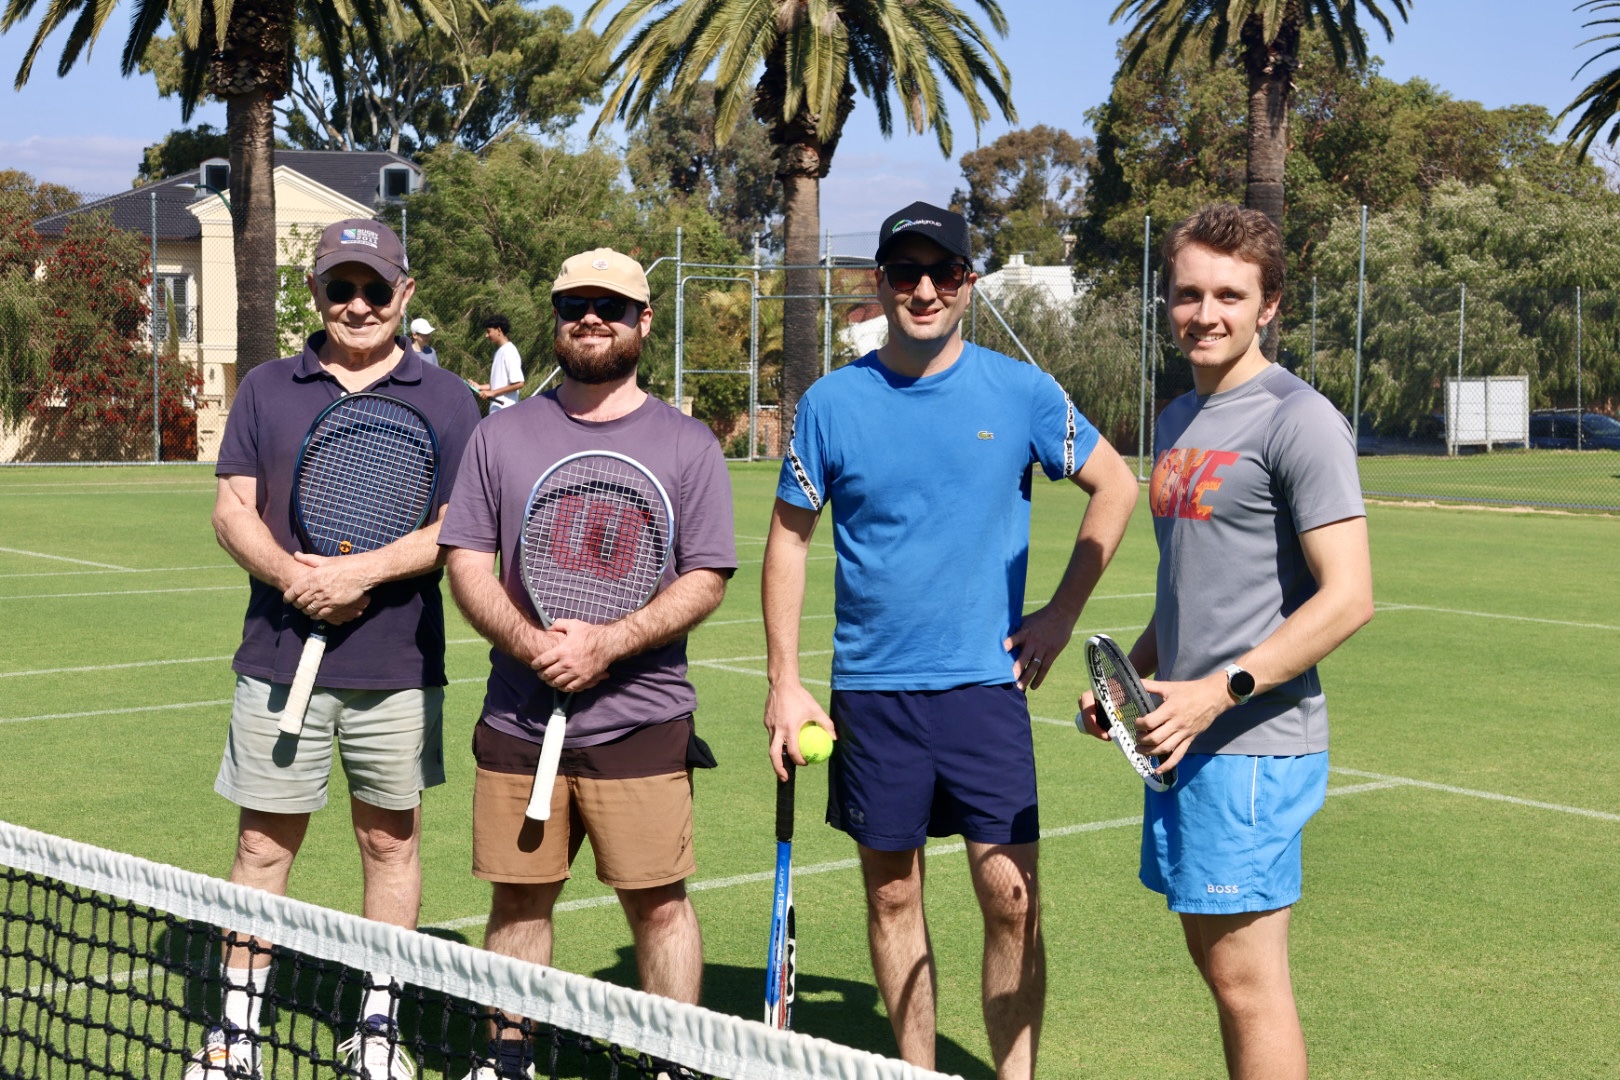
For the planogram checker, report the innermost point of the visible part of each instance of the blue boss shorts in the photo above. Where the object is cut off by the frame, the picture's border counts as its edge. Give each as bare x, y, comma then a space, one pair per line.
1226, 838
910, 764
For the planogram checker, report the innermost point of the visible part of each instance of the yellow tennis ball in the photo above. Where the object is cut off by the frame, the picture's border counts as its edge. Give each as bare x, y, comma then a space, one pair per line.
814, 743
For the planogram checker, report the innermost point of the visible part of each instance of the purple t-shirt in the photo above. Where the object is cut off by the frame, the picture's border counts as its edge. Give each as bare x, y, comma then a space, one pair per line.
508, 453
398, 642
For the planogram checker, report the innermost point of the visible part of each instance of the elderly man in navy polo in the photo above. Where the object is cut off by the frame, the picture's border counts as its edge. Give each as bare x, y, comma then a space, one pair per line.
381, 689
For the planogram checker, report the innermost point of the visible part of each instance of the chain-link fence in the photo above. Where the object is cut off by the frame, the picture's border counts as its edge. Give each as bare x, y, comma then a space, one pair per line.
1464, 380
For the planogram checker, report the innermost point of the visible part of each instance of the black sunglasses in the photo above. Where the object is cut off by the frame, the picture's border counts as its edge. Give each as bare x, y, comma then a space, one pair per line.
607, 308
947, 276
379, 294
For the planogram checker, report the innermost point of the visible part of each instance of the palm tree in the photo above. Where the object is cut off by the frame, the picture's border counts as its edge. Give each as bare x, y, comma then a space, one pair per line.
1268, 33
247, 63
1602, 95
797, 64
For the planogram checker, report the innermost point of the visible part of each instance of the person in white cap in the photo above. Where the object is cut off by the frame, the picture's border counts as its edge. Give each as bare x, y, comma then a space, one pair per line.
422, 338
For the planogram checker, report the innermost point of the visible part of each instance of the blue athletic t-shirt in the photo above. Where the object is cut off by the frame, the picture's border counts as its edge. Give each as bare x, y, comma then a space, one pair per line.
929, 483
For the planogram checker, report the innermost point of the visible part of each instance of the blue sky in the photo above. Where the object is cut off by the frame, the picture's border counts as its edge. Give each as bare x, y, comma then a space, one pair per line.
88, 130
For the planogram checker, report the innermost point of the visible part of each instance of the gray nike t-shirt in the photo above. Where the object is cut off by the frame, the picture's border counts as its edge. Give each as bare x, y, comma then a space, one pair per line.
1239, 475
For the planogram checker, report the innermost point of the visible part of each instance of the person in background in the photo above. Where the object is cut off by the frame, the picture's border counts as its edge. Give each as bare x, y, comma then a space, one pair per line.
422, 338
506, 372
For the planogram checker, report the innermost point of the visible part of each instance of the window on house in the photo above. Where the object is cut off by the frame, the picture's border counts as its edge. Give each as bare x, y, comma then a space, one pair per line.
174, 295
217, 175
397, 182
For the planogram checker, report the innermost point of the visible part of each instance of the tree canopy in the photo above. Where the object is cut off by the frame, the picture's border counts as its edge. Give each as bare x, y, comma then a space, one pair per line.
1024, 192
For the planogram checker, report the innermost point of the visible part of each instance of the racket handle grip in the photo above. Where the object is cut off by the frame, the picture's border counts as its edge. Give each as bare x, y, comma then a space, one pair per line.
545, 773
303, 684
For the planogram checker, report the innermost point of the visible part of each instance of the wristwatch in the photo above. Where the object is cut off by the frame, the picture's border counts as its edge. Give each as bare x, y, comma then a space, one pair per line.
1239, 683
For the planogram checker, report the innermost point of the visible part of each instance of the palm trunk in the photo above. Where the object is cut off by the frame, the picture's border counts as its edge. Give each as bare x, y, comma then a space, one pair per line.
251, 122
801, 332
251, 71
1270, 66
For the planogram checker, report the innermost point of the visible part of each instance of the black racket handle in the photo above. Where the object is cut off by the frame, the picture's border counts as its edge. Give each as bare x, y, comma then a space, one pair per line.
784, 802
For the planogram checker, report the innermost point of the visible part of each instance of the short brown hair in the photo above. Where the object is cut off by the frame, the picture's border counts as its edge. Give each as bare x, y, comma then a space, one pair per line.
1234, 231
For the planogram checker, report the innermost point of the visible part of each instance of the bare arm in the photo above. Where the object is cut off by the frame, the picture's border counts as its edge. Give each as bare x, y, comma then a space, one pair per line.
581, 652
335, 584
1046, 632
483, 600
1339, 559
787, 703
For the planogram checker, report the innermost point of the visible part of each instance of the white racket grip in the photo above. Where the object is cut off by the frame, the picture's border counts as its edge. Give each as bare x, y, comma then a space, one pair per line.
303, 684
545, 773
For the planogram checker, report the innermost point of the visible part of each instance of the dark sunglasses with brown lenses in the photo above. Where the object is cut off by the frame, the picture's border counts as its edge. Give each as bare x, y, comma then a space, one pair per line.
947, 276
379, 294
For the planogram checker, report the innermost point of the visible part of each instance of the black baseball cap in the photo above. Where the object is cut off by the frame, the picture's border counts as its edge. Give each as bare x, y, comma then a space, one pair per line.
361, 240
946, 228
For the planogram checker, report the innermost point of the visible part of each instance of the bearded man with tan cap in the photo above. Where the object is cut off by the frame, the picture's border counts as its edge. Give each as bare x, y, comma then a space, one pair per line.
625, 780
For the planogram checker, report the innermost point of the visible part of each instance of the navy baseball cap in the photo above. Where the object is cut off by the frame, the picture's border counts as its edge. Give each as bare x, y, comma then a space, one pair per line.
946, 228
361, 240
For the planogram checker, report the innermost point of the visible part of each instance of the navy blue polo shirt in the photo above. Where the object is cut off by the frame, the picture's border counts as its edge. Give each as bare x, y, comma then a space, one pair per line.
398, 642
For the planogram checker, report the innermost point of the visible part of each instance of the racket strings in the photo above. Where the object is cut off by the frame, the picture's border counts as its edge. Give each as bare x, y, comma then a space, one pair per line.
366, 477
595, 541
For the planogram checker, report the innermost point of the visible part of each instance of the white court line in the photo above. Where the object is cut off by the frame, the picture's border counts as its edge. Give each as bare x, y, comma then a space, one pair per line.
112, 667
121, 570
1494, 615
123, 592
60, 558
1401, 781
114, 712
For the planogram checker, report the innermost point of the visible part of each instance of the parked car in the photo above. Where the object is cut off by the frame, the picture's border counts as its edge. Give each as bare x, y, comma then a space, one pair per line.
1553, 430
1426, 436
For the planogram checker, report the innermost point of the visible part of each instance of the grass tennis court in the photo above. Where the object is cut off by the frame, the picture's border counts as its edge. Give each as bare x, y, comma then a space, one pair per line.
1459, 912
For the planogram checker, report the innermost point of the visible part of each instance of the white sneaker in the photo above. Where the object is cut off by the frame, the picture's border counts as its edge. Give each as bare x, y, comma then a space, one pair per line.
227, 1053
374, 1051
488, 1071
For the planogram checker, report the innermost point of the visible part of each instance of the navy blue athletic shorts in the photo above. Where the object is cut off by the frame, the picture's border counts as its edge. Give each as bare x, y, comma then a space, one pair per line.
910, 764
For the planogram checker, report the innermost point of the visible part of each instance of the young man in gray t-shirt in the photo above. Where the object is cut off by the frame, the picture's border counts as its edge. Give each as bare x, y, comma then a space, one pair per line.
1263, 571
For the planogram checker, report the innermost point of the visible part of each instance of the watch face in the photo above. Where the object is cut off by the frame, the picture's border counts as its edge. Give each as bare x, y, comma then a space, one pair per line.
1241, 682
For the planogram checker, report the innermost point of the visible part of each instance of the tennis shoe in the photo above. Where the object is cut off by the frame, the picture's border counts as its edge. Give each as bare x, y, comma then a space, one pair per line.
227, 1053
374, 1053
489, 1072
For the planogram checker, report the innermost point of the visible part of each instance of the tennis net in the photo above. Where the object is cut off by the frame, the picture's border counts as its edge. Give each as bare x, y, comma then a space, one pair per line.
110, 967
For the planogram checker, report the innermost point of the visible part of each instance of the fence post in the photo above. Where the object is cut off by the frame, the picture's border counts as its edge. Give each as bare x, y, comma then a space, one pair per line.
157, 412
753, 358
1361, 308
1313, 331
1153, 360
1579, 407
1462, 322
1141, 405
680, 321
826, 302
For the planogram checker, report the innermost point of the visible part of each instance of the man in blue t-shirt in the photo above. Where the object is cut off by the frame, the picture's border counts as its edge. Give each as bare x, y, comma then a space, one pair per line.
1263, 571
923, 451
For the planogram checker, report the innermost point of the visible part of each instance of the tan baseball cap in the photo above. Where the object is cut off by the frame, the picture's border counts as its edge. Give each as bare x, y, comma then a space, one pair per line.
607, 269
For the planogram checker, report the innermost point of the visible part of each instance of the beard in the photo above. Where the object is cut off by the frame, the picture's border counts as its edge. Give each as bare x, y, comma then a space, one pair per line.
586, 366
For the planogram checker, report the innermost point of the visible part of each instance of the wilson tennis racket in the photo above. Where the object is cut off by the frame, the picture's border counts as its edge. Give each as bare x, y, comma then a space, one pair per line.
1121, 702
366, 477
596, 539
781, 957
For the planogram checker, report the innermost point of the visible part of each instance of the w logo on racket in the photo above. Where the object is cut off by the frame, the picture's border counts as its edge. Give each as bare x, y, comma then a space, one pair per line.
600, 537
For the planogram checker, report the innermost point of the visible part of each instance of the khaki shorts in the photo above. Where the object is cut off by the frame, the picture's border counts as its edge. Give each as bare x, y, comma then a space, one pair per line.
640, 829
390, 742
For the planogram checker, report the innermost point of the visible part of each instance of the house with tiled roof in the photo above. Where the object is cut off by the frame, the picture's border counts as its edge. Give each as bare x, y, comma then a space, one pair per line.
189, 218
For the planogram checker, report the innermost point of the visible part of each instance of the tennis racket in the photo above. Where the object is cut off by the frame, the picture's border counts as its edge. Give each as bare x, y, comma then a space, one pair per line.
1121, 702
366, 477
781, 957
596, 539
